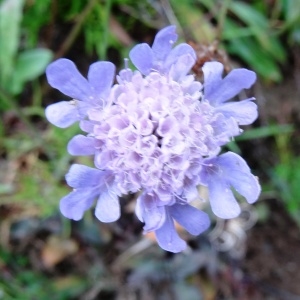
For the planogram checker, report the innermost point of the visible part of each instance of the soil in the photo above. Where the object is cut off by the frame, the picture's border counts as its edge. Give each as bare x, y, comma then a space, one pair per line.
272, 260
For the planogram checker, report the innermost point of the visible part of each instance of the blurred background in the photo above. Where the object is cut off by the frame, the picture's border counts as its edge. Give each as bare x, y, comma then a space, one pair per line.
45, 256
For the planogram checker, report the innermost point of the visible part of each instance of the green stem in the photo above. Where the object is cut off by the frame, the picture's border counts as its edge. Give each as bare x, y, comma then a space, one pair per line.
105, 25
221, 18
66, 227
76, 29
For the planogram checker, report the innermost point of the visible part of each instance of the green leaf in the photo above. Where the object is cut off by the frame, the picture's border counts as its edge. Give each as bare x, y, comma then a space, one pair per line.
193, 20
256, 57
266, 131
247, 14
29, 65
286, 177
10, 18
291, 9
259, 25
232, 30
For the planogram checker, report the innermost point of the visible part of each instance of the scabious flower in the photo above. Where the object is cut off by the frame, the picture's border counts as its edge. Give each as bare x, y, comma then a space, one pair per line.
157, 132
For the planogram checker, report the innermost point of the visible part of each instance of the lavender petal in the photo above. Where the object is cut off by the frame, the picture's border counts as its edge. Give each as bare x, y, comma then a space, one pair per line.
163, 42
62, 114
76, 203
193, 220
63, 75
167, 237
239, 176
181, 67
218, 91
148, 212
179, 51
108, 206
212, 72
142, 57
81, 176
82, 145
101, 77
244, 112
220, 174
222, 201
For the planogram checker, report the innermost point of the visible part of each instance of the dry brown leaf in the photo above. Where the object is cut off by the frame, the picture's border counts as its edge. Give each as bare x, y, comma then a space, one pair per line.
57, 249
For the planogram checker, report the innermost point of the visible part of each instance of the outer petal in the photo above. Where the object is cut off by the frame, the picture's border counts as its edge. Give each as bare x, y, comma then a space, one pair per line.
63, 75
76, 203
222, 201
148, 212
179, 51
108, 206
212, 78
239, 176
167, 237
62, 114
193, 220
164, 41
182, 66
101, 77
82, 145
223, 172
142, 57
81, 176
230, 86
244, 112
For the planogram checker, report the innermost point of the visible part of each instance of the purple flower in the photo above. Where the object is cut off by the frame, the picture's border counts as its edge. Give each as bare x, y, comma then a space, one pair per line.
157, 132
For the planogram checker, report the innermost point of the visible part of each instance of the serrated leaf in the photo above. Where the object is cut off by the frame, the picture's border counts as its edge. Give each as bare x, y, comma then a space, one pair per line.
10, 18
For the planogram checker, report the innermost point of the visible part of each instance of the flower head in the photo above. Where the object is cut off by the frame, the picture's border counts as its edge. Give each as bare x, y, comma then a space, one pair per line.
157, 132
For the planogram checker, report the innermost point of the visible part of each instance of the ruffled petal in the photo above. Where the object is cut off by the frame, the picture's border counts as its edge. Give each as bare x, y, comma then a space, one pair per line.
82, 145
148, 212
222, 200
167, 237
220, 174
101, 77
212, 72
239, 176
164, 41
81, 176
193, 220
76, 203
108, 207
181, 67
62, 114
179, 51
244, 112
142, 57
217, 91
63, 75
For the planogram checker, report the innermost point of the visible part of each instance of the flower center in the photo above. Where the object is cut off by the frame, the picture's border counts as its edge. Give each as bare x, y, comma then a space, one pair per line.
153, 132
